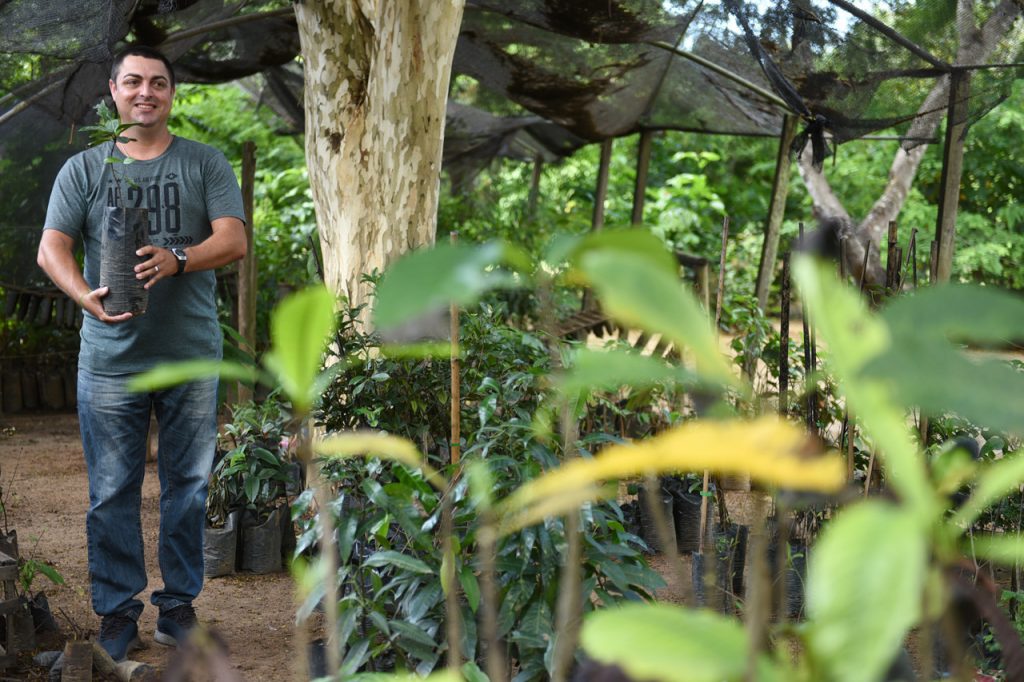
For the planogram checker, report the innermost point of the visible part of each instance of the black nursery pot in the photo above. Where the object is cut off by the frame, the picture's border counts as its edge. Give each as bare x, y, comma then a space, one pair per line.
220, 547
125, 231
261, 544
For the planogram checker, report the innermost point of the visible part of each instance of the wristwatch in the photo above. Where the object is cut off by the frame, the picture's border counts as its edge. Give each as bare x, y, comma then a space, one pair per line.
182, 260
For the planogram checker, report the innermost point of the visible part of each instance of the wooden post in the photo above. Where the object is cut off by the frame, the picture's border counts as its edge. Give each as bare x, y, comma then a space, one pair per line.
456, 416
952, 168
776, 211
784, 339
891, 258
643, 161
601, 191
534, 195
247, 266
721, 273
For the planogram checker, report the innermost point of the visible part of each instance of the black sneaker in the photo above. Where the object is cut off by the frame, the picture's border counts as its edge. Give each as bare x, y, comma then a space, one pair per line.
173, 626
119, 636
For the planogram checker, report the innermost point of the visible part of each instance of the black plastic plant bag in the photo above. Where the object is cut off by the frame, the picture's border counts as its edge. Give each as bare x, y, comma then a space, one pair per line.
125, 231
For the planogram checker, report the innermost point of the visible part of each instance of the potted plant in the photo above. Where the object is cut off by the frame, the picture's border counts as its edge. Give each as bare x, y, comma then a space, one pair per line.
37, 604
252, 480
125, 229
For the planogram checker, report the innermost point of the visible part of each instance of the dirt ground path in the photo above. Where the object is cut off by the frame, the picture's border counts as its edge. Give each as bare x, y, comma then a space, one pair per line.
43, 476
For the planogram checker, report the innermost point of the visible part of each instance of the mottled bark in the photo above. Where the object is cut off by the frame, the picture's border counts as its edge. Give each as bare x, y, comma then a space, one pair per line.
976, 45
376, 83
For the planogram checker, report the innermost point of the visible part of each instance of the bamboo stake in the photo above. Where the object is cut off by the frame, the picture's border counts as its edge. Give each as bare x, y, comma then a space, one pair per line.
784, 338
891, 259
933, 260
721, 273
864, 268
704, 492
867, 479
808, 367
456, 435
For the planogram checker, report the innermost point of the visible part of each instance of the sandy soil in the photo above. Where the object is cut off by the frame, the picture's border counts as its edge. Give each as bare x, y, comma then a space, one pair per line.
46, 495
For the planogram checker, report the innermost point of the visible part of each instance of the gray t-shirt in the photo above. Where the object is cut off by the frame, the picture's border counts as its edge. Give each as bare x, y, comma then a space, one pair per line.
185, 188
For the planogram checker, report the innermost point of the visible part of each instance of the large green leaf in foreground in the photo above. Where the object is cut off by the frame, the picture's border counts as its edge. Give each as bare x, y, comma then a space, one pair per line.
866, 577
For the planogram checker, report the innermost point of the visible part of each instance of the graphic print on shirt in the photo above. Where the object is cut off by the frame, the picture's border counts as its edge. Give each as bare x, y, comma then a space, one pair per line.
162, 196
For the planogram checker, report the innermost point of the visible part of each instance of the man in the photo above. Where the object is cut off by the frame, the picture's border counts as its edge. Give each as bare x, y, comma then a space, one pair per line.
196, 225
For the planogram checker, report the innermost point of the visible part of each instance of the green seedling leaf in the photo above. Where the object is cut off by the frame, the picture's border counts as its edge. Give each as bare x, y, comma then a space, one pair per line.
472, 672
640, 243
470, 587
667, 643
399, 560
1003, 549
986, 392
300, 328
959, 313
443, 676
429, 279
861, 603
609, 370
636, 291
51, 573
855, 338
994, 482
173, 374
481, 485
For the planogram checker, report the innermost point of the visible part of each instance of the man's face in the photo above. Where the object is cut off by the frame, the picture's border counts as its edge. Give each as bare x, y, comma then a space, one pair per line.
143, 92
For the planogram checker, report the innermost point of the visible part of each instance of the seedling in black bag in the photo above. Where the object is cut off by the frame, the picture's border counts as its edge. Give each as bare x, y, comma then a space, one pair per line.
125, 229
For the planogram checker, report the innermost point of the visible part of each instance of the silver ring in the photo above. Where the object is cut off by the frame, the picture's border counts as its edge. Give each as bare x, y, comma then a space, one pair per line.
156, 268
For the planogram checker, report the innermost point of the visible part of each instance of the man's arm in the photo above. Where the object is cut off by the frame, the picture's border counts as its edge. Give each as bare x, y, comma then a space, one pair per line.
225, 245
57, 259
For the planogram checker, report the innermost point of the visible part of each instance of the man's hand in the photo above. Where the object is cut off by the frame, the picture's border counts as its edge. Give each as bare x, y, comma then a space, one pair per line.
93, 303
160, 263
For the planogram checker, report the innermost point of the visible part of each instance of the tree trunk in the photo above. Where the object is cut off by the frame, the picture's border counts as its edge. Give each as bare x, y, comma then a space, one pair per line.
376, 84
975, 47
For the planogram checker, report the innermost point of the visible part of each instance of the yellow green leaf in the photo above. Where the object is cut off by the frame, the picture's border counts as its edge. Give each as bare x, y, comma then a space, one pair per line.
378, 444
771, 450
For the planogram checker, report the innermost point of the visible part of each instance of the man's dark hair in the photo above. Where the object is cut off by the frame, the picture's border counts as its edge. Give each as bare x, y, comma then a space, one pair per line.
141, 51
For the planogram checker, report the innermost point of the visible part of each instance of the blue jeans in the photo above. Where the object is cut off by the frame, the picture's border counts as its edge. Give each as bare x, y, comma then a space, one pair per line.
115, 425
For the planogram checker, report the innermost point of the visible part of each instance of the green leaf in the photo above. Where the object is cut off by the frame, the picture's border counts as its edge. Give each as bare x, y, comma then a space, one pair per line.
399, 560
854, 338
428, 279
641, 243
173, 374
472, 672
986, 392
958, 312
356, 656
636, 291
470, 587
50, 572
252, 488
413, 633
300, 328
666, 643
1002, 549
994, 482
608, 370
864, 592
